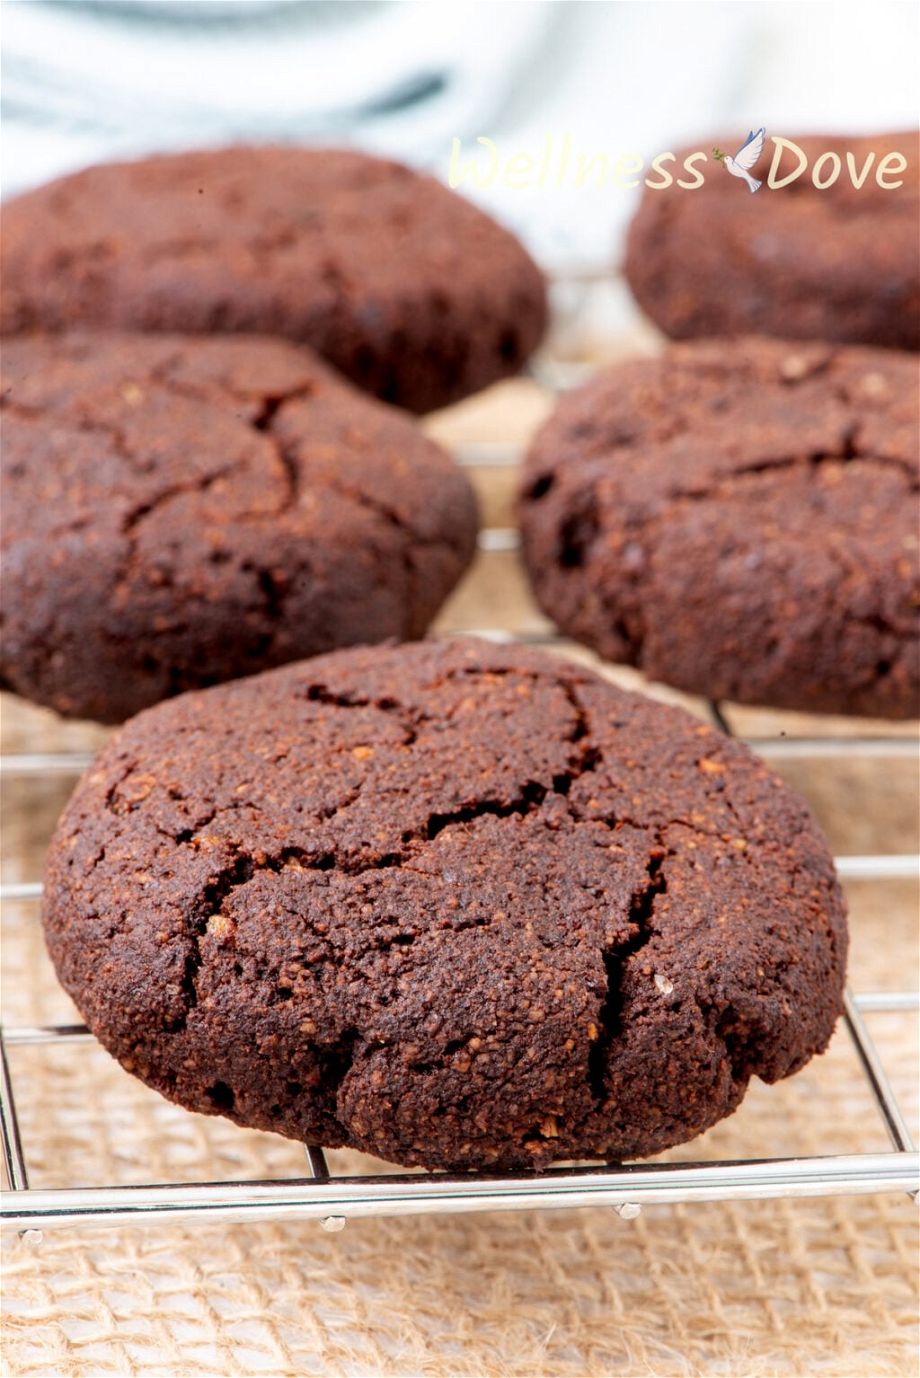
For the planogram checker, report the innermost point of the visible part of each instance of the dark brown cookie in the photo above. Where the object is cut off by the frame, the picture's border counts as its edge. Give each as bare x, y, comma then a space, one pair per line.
406, 287
796, 262
739, 519
452, 904
178, 511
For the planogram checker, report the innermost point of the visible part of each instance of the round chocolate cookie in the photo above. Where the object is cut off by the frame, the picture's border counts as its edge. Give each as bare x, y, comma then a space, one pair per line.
739, 519
178, 511
406, 287
453, 904
797, 261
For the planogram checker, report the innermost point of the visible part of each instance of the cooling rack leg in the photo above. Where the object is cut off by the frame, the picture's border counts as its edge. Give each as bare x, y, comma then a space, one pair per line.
319, 1171
888, 1106
13, 1157
316, 1161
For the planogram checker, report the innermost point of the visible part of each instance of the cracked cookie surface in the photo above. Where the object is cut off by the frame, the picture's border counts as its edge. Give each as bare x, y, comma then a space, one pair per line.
452, 904
407, 288
179, 511
840, 263
739, 519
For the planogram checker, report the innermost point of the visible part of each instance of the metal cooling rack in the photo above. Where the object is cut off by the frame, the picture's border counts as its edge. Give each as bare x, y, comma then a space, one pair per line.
331, 1199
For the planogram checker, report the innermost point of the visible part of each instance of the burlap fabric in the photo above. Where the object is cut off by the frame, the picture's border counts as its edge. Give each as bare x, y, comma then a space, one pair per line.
800, 1287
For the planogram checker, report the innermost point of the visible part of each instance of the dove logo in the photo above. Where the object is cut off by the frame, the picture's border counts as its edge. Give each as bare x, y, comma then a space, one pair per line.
824, 173
744, 159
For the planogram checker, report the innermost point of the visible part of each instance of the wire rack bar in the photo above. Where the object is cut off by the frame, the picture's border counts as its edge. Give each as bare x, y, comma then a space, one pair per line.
487, 454
22, 890
887, 1002
824, 748
41, 1035
498, 539
884, 867
356, 1197
45, 763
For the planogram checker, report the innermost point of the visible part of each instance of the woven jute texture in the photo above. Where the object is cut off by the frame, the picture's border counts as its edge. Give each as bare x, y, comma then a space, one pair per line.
793, 1287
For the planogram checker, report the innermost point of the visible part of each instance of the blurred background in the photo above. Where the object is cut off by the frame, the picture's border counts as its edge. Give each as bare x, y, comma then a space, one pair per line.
86, 80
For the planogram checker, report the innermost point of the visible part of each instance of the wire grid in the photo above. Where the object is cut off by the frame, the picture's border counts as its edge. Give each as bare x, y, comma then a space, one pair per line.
331, 1198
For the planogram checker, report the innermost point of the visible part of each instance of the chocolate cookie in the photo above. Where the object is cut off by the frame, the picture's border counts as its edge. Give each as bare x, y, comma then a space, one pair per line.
406, 287
794, 261
739, 519
179, 511
453, 904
